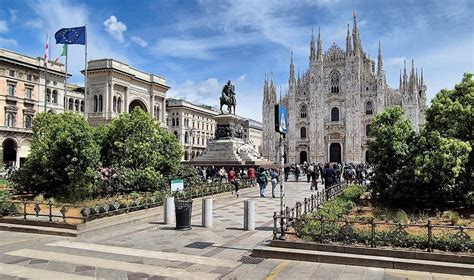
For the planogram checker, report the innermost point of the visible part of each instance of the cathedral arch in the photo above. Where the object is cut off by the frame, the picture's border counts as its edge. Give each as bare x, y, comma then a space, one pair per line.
335, 114
369, 107
303, 111
367, 129
335, 80
303, 133
303, 156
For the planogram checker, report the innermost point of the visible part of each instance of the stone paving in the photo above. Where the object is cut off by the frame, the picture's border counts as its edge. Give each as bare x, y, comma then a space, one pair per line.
157, 251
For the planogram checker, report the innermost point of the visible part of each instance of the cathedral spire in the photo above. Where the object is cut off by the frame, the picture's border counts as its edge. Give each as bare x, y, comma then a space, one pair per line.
400, 85
312, 53
292, 68
421, 78
348, 42
355, 36
320, 46
380, 62
405, 76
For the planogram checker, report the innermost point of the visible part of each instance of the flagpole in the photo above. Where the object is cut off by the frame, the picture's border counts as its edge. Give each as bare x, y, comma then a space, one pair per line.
85, 76
65, 79
46, 75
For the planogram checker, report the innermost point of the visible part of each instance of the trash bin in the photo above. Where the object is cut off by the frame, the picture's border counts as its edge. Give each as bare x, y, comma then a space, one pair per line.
183, 213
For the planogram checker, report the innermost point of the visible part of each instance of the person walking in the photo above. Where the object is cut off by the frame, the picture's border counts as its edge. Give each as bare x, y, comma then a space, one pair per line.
274, 180
232, 178
251, 175
329, 176
262, 180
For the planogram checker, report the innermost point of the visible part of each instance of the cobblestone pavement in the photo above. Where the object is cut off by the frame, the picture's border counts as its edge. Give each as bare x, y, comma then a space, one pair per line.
157, 251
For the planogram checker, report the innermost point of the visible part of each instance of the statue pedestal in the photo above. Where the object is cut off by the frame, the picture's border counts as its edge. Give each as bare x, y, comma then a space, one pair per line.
228, 148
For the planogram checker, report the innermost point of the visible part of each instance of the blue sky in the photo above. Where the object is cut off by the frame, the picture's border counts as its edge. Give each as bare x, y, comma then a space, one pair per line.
199, 45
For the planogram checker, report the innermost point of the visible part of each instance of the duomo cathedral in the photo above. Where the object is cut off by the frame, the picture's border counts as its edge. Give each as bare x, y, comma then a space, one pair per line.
331, 106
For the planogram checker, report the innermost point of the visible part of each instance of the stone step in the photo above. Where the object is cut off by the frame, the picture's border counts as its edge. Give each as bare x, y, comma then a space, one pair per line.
265, 251
38, 229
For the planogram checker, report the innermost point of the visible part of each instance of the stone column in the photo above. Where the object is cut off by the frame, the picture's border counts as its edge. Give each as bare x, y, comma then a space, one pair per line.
207, 212
249, 215
169, 211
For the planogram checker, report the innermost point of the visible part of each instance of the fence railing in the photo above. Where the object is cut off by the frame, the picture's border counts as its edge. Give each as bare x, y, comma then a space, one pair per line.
81, 213
428, 236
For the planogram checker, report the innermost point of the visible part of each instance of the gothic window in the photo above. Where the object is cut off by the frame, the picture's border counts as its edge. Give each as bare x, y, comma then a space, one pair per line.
100, 103
95, 103
335, 81
367, 129
335, 114
303, 133
10, 120
369, 108
71, 104
55, 96
303, 112
27, 121
115, 104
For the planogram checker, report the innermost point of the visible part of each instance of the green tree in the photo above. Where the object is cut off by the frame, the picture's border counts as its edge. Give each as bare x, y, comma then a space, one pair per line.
135, 142
63, 158
452, 115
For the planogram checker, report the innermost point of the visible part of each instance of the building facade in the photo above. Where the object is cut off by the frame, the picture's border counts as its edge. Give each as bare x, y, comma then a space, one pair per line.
23, 93
253, 133
115, 87
332, 104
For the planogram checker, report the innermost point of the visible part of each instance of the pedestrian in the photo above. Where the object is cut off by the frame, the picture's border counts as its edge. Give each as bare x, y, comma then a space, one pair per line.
232, 178
274, 180
329, 176
251, 175
262, 180
297, 172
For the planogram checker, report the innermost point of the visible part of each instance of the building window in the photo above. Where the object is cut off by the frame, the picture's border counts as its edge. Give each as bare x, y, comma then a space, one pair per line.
10, 120
335, 114
29, 77
82, 105
368, 108
29, 93
177, 121
27, 121
176, 134
303, 133
174, 122
76, 105
11, 90
95, 103
367, 129
157, 114
186, 137
100, 103
12, 73
48, 95
71, 103
303, 112
335, 81
119, 104
115, 104
55, 96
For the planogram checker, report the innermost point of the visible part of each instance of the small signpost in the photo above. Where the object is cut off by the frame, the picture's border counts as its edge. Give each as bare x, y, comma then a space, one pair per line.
177, 185
281, 126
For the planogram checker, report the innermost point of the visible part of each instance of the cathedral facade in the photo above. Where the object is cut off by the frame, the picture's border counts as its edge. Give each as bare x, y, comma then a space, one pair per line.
331, 106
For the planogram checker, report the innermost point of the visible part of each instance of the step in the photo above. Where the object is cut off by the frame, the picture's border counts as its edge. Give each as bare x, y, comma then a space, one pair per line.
265, 251
38, 229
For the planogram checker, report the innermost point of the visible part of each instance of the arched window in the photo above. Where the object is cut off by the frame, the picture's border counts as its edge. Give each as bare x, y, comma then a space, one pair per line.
119, 104
114, 107
174, 122
186, 155
335, 114
10, 120
177, 121
186, 137
71, 104
303, 133
95, 103
157, 114
55, 96
176, 134
335, 81
48, 95
82, 105
76, 105
27, 121
100, 103
367, 130
369, 108
303, 113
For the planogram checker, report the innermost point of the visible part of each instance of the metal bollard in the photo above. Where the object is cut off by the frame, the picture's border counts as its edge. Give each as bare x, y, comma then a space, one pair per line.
169, 211
249, 215
207, 212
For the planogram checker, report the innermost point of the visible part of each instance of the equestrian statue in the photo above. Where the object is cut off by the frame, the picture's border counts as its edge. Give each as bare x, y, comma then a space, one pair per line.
228, 98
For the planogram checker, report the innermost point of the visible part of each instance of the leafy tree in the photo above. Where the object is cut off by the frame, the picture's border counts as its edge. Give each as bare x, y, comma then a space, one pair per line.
63, 158
452, 115
136, 143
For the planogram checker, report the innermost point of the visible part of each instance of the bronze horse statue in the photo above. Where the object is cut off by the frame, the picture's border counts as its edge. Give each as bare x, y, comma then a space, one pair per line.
230, 102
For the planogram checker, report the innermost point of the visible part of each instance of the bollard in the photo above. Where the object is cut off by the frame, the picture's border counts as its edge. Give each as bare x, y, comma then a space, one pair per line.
249, 215
169, 211
207, 212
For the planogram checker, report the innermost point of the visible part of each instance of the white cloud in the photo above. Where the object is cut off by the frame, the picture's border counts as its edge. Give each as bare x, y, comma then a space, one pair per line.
5, 42
3, 26
115, 28
35, 23
242, 78
139, 40
13, 14
203, 92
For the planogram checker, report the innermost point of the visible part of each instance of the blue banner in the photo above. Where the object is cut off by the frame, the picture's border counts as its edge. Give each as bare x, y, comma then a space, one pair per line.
281, 119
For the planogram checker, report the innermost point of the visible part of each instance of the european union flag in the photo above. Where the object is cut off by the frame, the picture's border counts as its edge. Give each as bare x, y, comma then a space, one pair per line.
73, 35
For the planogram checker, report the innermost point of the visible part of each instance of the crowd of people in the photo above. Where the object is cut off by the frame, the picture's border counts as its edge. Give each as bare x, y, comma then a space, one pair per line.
328, 173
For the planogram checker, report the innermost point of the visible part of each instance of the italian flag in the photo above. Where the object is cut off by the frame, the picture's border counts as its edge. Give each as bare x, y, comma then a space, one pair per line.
63, 52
